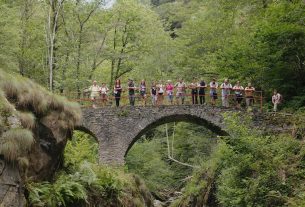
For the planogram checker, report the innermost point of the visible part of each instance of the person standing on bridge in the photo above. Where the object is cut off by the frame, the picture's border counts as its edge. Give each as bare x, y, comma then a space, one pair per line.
249, 93
160, 89
170, 91
226, 87
131, 92
94, 93
142, 89
194, 87
202, 87
181, 87
117, 90
276, 100
213, 91
153, 93
238, 91
104, 91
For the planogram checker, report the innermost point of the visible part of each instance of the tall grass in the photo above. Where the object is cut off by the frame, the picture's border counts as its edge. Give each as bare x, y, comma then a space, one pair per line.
25, 95
15, 143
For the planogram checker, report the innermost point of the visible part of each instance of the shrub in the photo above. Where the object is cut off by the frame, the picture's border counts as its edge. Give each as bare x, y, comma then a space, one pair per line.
64, 191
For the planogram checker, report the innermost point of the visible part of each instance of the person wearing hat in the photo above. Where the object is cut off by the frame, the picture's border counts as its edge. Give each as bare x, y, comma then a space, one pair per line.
94, 93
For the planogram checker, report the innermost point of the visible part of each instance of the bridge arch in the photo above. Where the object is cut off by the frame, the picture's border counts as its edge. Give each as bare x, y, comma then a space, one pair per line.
87, 131
176, 118
117, 129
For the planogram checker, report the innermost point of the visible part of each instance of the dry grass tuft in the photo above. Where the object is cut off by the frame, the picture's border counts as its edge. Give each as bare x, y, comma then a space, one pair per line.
28, 96
6, 108
73, 112
33, 100
11, 88
27, 119
23, 162
57, 102
15, 142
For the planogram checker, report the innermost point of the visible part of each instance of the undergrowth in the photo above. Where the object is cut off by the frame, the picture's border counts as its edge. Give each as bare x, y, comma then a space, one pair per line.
249, 169
83, 182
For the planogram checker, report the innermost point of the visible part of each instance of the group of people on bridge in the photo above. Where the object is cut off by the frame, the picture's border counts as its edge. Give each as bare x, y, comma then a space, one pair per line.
158, 90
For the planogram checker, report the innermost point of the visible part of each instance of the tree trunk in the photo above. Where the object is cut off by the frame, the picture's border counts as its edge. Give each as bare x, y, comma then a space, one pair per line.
78, 61
24, 35
52, 30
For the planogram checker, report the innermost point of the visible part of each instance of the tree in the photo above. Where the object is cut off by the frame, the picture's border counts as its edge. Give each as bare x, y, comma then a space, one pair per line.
54, 8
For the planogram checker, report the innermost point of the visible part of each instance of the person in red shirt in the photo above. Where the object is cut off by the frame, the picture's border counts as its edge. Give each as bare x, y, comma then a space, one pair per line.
170, 91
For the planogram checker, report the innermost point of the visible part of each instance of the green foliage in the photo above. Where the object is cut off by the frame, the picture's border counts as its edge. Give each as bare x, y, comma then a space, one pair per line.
257, 41
64, 191
147, 158
80, 149
85, 183
248, 169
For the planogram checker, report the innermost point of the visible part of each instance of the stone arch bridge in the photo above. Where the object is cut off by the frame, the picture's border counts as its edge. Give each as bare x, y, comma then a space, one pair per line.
117, 129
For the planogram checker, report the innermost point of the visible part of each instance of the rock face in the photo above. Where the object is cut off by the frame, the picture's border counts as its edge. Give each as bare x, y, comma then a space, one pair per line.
45, 158
11, 186
34, 128
47, 151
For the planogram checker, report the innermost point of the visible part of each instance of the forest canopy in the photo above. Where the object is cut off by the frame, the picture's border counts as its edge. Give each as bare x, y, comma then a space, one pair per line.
65, 44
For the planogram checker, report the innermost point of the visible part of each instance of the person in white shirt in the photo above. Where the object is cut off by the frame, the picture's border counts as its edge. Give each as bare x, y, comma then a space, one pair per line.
104, 91
213, 91
160, 93
238, 90
94, 93
276, 100
226, 87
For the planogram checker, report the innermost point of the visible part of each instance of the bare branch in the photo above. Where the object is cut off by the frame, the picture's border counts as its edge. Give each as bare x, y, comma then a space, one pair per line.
169, 153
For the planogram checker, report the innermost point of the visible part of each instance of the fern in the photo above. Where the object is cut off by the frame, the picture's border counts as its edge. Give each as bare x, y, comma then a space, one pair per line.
64, 191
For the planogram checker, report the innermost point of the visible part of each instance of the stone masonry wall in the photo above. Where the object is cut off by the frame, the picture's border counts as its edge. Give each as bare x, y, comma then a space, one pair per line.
116, 129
